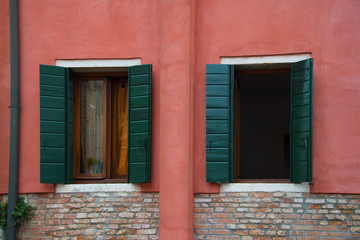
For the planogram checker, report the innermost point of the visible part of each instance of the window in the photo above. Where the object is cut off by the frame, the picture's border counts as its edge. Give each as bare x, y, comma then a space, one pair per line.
101, 128
262, 124
95, 128
244, 127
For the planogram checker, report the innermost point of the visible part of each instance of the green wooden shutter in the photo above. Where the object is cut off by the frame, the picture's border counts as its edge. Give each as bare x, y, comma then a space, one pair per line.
301, 121
139, 138
219, 123
56, 125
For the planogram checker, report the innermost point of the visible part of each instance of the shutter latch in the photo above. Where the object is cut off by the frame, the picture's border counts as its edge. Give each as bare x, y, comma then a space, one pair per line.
44, 141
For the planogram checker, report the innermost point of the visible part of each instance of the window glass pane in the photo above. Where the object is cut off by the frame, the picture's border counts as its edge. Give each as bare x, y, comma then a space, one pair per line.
91, 126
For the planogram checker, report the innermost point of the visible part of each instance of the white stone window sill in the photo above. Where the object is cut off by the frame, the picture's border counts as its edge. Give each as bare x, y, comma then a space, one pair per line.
265, 187
88, 188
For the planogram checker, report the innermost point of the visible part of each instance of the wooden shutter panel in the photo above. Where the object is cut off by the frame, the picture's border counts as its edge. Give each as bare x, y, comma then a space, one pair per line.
219, 123
56, 125
139, 139
301, 121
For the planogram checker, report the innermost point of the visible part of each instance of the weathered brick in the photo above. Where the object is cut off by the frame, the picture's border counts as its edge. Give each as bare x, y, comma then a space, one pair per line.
227, 220
247, 238
242, 232
256, 232
335, 223
314, 200
279, 215
219, 232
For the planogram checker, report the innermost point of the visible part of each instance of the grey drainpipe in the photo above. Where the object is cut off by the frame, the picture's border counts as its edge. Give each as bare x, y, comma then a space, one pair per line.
14, 117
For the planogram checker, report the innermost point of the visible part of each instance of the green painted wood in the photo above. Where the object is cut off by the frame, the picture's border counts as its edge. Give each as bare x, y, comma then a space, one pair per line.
302, 65
53, 91
140, 80
217, 102
52, 70
301, 125
219, 123
301, 121
140, 90
49, 114
139, 114
217, 79
299, 154
54, 173
51, 127
298, 176
217, 126
138, 154
56, 124
139, 137
217, 140
217, 114
298, 139
139, 126
52, 155
217, 171
302, 76
218, 69
140, 102
52, 102
137, 172
52, 80
217, 155
217, 90
70, 126
301, 99
141, 70
52, 140
301, 87
301, 111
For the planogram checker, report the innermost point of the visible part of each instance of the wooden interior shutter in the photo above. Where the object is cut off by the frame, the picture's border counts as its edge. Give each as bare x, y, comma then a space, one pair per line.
219, 123
301, 121
56, 125
139, 139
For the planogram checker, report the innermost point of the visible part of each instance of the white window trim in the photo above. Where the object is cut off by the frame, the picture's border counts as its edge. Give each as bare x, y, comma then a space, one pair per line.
249, 61
265, 187
259, 60
97, 187
95, 65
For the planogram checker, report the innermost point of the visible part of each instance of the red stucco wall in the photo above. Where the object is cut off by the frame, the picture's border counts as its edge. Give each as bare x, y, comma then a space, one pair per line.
68, 29
51, 30
326, 29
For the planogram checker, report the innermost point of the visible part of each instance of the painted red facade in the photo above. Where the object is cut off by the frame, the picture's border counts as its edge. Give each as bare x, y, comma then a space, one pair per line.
179, 38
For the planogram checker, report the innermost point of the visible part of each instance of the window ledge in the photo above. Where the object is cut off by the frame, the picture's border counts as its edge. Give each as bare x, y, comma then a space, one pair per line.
86, 188
265, 187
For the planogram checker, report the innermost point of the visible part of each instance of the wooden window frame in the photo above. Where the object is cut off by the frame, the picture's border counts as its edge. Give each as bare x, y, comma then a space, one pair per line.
105, 176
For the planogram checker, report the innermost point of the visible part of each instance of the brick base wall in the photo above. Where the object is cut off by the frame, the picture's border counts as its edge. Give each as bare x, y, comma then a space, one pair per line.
278, 215
126, 215
223, 216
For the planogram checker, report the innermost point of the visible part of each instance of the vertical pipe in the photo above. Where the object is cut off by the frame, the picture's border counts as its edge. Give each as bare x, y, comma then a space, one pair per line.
14, 117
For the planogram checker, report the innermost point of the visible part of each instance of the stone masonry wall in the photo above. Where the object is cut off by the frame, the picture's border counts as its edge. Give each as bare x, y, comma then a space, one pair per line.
278, 216
223, 216
125, 215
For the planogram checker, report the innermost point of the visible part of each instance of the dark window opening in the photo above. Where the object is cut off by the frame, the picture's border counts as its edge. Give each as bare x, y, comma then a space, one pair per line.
262, 125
